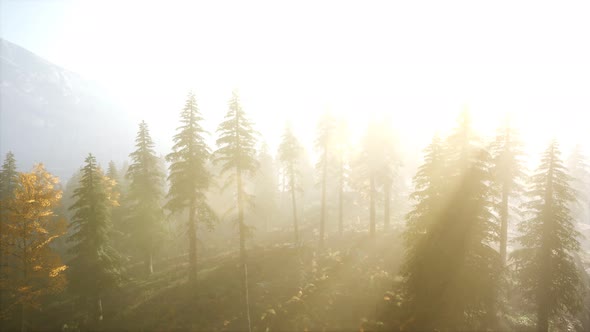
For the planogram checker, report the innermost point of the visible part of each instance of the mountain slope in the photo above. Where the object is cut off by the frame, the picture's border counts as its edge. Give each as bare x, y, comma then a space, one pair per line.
51, 115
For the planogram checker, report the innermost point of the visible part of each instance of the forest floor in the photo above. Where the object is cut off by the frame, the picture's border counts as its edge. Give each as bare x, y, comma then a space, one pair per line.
343, 287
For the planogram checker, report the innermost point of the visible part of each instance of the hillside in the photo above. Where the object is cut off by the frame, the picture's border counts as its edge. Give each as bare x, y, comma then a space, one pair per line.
51, 115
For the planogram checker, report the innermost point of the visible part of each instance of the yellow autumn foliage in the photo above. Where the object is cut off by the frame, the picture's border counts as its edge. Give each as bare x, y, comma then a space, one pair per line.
32, 269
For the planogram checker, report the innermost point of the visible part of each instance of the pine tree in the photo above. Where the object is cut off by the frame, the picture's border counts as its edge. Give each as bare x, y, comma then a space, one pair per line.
8, 181
580, 182
428, 197
342, 147
545, 267
289, 153
95, 267
236, 154
508, 176
451, 270
189, 177
8, 175
368, 164
388, 167
34, 269
324, 141
145, 194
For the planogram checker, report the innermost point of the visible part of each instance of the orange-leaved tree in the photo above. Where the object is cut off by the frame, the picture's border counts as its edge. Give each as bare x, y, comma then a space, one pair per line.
32, 269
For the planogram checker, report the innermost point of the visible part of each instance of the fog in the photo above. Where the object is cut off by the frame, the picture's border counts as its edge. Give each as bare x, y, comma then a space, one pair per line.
256, 166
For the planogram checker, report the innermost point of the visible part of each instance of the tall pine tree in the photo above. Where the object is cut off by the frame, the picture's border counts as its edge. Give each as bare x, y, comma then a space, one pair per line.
545, 267
95, 267
237, 154
579, 170
289, 154
452, 270
508, 177
189, 177
144, 198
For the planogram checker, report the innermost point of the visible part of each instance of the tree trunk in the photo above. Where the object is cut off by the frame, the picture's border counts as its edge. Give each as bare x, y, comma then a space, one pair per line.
323, 213
386, 208
243, 258
293, 203
341, 198
372, 207
504, 224
99, 310
149, 264
192, 244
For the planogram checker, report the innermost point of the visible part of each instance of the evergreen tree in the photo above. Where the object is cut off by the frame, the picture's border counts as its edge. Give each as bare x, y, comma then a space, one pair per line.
95, 267
388, 167
580, 182
508, 176
8, 180
324, 141
368, 164
189, 177
451, 270
342, 147
545, 267
236, 154
289, 154
30, 227
145, 194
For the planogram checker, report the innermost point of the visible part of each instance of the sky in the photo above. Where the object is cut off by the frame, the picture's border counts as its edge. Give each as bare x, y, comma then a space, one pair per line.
420, 62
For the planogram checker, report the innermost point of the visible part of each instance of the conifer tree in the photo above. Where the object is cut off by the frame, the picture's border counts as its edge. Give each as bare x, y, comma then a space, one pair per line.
545, 267
368, 166
289, 154
237, 155
341, 147
324, 141
145, 194
388, 167
189, 177
8, 180
508, 176
451, 270
95, 267
30, 227
580, 182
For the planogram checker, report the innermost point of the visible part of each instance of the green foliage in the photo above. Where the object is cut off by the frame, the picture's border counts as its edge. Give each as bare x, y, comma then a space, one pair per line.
189, 178
289, 154
236, 154
507, 178
546, 272
451, 272
8, 179
237, 140
95, 267
146, 180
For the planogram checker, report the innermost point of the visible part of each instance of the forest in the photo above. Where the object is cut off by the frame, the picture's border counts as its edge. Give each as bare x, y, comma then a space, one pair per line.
235, 237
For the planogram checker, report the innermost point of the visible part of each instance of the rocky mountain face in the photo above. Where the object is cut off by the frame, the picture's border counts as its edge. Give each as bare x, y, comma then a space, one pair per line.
51, 115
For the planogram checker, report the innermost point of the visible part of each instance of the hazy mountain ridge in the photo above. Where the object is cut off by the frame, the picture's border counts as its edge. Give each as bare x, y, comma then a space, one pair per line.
52, 115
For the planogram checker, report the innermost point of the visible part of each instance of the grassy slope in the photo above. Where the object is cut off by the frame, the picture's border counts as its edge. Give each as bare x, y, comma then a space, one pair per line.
291, 288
